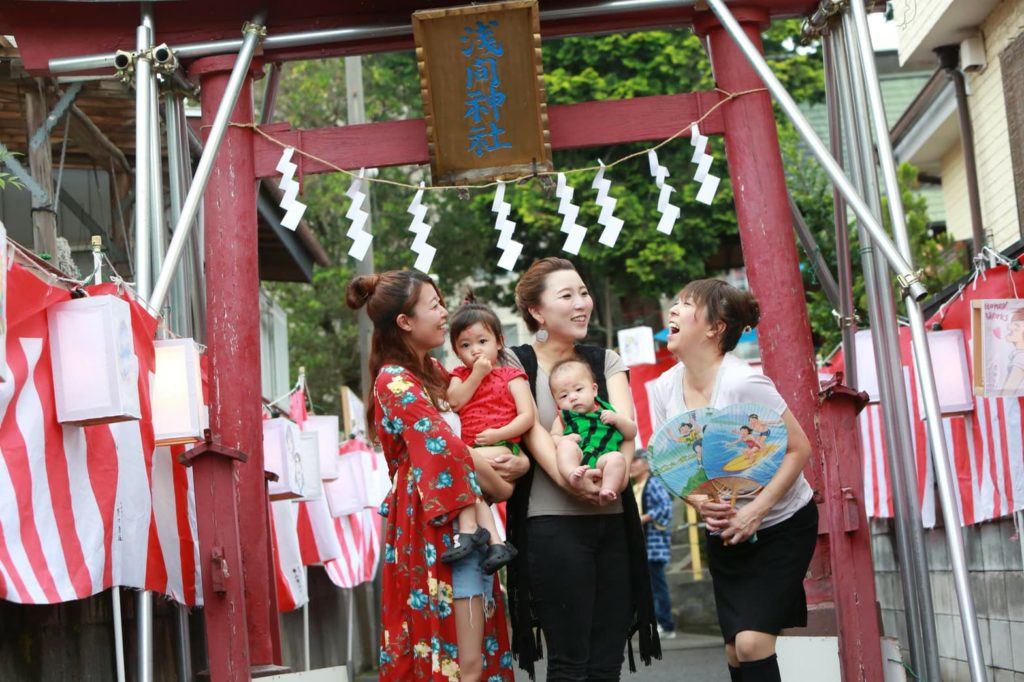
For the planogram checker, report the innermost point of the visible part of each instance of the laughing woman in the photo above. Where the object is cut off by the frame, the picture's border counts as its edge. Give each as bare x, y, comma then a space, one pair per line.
758, 583
433, 628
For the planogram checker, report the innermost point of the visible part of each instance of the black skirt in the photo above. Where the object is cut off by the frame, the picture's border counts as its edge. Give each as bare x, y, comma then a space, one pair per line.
760, 585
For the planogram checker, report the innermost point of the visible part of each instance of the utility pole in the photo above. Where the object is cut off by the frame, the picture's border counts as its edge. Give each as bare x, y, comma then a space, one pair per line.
357, 115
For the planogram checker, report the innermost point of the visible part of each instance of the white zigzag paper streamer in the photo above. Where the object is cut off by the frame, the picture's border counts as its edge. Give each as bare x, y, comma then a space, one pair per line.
293, 208
612, 225
669, 212
570, 211
510, 247
358, 215
419, 227
708, 182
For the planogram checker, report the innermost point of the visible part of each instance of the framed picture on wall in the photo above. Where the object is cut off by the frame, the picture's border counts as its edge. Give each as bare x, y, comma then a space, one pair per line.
997, 328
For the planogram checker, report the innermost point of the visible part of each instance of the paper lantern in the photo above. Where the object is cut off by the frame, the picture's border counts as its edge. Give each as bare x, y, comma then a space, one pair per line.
95, 370
311, 486
326, 429
347, 494
281, 457
949, 365
177, 393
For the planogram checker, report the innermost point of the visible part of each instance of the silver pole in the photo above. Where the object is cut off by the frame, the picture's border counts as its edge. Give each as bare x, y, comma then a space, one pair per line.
195, 191
197, 276
357, 114
348, 632
143, 150
156, 178
305, 621
179, 301
844, 272
144, 186
354, 33
885, 339
923, 361
908, 279
184, 652
115, 591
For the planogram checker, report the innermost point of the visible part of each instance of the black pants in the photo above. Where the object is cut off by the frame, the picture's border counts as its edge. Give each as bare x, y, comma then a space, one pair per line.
579, 581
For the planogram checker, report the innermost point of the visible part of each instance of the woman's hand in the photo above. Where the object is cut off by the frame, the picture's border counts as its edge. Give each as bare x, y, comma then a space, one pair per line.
589, 492
510, 467
742, 525
716, 515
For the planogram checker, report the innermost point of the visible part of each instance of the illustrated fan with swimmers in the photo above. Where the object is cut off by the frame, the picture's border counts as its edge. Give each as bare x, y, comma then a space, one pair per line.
724, 453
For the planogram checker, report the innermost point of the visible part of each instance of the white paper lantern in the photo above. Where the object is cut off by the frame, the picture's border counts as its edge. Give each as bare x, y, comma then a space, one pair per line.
95, 370
347, 494
281, 457
177, 393
326, 429
311, 487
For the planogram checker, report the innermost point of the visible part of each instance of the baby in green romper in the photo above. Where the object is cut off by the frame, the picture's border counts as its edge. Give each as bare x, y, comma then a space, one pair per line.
588, 425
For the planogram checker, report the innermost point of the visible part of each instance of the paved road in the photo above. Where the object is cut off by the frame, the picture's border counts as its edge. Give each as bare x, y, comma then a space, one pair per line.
691, 657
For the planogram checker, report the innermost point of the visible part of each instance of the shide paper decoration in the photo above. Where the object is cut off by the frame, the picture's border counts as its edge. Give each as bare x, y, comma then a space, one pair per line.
669, 213
612, 225
419, 227
708, 182
510, 248
294, 209
361, 239
571, 212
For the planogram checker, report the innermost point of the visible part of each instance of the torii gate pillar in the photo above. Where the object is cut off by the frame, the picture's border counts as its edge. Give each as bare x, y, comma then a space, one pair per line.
843, 555
233, 339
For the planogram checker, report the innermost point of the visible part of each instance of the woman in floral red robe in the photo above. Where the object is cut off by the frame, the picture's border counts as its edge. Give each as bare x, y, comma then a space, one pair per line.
434, 476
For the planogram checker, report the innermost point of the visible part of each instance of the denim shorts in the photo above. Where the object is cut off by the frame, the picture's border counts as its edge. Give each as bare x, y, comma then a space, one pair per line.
468, 579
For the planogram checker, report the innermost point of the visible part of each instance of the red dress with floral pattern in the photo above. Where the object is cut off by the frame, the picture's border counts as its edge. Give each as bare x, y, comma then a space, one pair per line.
433, 476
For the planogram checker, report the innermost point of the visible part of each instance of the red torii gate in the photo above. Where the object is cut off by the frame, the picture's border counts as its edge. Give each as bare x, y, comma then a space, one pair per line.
244, 600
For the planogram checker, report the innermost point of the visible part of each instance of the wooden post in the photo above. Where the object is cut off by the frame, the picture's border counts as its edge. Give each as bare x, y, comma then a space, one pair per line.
40, 161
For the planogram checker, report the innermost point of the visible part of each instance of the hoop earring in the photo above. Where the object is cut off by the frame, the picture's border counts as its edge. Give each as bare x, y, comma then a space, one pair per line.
542, 335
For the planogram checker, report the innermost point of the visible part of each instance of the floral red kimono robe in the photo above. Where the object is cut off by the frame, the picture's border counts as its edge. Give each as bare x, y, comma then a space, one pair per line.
433, 478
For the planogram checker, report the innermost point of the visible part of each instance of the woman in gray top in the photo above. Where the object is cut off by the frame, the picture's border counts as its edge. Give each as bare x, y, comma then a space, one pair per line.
581, 575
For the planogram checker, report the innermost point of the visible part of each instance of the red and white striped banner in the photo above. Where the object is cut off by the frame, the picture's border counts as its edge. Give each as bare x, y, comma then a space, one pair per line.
84, 509
985, 445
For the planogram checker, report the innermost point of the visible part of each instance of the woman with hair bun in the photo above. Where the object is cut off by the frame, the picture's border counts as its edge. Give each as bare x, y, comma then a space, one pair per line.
758, 579
432, 627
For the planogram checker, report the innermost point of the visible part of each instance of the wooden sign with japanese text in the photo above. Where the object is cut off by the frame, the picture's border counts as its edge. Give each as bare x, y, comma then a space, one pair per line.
483, 91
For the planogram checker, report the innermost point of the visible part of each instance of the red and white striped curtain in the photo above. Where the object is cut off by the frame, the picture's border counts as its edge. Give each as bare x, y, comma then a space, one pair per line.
986, 445
84, 508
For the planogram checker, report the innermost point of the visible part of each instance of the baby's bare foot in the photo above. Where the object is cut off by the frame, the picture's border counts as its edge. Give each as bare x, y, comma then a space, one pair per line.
608, 496
576, 477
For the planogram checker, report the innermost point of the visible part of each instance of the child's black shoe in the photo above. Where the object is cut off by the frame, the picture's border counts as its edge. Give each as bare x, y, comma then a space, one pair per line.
498, 556
464, 544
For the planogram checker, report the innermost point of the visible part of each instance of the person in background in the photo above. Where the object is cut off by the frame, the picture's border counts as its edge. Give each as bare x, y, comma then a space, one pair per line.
655, 506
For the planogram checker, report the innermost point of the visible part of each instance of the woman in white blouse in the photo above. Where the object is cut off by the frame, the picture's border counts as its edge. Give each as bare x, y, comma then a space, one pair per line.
758, 549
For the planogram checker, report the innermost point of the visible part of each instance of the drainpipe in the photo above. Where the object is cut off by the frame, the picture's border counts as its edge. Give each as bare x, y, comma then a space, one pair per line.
949, 60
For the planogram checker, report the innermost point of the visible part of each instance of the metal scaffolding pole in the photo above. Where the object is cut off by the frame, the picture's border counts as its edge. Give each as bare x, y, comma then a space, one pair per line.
922, 357
885, 340
844, 273
143, 151
253, 35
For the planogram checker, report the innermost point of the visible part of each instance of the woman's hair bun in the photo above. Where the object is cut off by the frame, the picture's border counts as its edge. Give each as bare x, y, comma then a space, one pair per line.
359, 290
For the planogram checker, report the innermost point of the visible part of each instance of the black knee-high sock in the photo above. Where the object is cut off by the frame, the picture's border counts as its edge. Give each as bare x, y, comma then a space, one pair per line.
763, 670
735, 674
